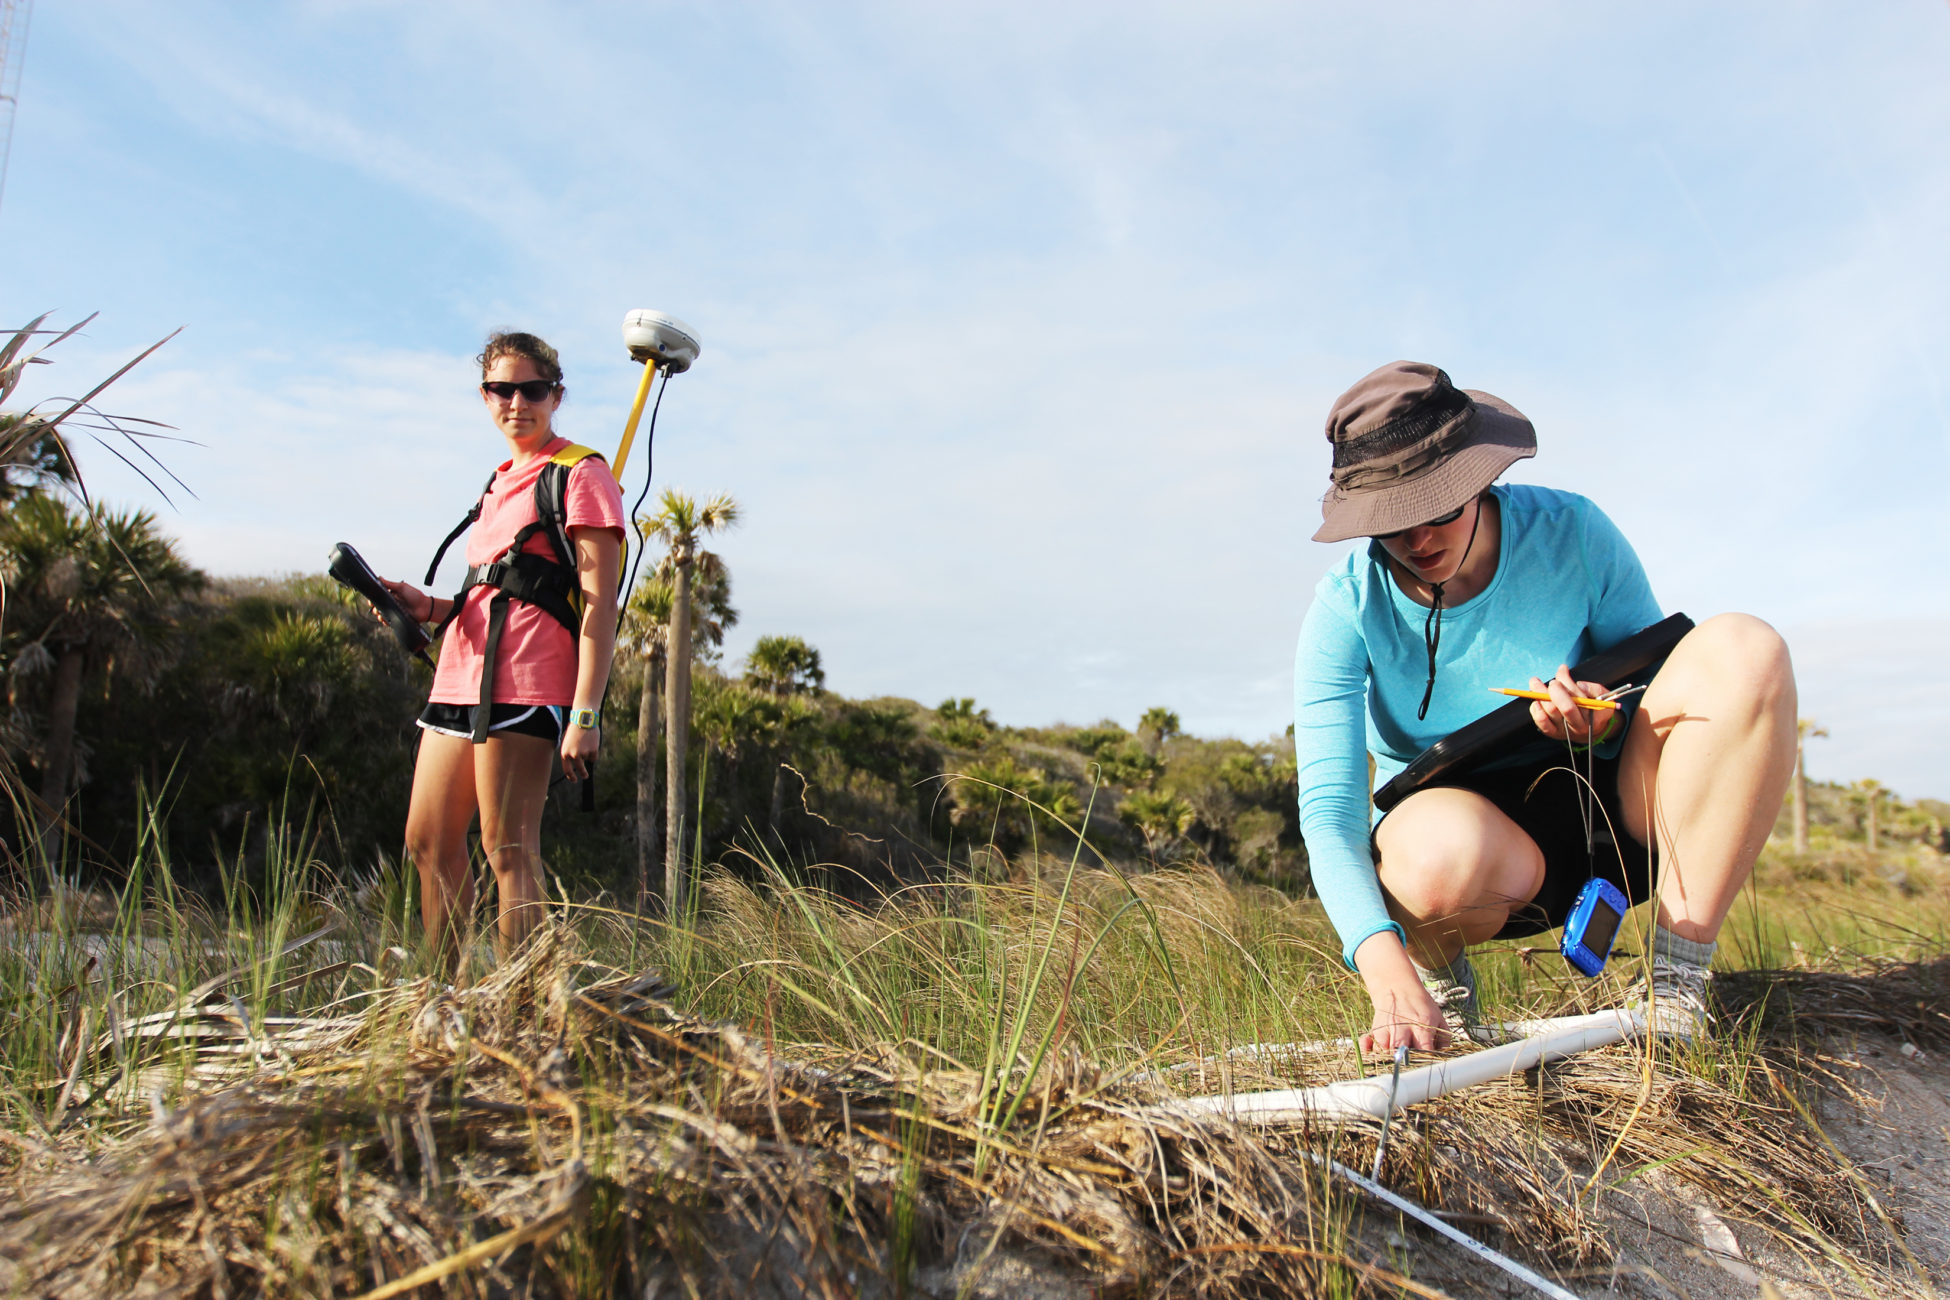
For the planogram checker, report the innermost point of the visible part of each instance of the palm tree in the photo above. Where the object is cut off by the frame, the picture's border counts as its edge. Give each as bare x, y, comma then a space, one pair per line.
1158, 816
1870, 792
1129, 764
646, 626
1156, 727
795, 719
785, 665
679, 523
732, 717
87, 589
1805, 729
646, 629
960, 724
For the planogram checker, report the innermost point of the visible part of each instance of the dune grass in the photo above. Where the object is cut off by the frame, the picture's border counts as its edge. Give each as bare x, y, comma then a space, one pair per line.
897, 1078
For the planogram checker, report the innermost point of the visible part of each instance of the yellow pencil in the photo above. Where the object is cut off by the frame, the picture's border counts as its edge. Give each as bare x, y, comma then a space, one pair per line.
1545, 695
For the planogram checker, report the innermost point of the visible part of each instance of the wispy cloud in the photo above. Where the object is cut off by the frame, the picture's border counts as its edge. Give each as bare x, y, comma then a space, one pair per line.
1020, 321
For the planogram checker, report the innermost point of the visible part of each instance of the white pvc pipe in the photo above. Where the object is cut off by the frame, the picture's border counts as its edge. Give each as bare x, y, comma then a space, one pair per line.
1369, 1098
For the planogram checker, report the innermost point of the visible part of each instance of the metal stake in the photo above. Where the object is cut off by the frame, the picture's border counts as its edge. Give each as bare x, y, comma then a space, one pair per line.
1387, 1116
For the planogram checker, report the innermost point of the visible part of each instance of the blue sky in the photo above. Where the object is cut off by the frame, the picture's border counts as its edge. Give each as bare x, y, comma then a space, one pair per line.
1020, 322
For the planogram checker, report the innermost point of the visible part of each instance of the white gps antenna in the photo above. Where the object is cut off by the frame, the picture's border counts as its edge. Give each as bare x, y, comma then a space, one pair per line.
657, 339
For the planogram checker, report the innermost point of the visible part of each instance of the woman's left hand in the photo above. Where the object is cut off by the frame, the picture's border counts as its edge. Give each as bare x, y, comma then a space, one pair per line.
1561, 717
579, 747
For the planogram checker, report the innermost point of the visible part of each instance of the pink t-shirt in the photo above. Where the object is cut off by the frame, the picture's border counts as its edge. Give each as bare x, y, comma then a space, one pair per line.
537, 659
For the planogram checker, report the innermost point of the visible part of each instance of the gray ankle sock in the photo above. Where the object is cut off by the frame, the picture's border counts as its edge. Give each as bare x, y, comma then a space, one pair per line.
1673, 948
1457, 972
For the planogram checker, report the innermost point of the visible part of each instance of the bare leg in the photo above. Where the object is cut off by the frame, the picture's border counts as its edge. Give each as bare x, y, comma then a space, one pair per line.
511, 774
437, 819
1706, 765
1453, 868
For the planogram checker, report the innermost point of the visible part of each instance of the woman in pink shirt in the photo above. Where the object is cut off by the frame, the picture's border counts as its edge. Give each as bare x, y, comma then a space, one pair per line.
491, 751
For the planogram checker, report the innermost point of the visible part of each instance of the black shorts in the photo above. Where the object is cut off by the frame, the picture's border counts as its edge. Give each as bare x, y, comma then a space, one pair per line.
1548, 804
547, 721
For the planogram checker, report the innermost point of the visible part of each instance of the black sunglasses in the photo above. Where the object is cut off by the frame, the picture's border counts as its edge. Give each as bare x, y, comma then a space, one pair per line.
1449, 518
534, 390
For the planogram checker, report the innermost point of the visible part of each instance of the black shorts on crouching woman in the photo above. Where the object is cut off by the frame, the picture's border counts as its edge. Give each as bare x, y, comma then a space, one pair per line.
1547, 803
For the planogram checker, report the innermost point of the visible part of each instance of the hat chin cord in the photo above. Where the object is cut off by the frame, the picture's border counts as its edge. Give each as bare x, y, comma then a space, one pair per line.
1432, 625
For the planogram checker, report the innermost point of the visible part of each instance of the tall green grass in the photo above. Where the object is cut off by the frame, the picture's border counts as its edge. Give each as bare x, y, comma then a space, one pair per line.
284, 933
1055, 957
1001, 976
996, 974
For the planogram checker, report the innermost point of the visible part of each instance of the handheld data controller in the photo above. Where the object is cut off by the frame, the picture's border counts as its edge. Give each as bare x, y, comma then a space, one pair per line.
1593, 924
1508, 730
351, 570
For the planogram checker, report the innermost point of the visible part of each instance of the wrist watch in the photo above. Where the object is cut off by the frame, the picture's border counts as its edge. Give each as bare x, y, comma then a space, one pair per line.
584, 718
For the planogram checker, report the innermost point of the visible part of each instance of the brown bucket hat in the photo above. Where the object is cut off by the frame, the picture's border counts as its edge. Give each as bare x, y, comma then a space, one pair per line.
1409, 446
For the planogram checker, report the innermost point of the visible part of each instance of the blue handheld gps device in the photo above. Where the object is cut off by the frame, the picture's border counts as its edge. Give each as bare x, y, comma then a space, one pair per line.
1593, 924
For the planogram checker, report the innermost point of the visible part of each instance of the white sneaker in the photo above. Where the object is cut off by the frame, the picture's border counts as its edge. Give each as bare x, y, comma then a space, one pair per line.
1460, 1009
1458, 1002
1674, 999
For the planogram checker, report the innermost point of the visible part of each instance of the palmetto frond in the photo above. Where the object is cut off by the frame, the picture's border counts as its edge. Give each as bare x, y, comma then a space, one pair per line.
94, 579
1159, 817
36, 439
784, 665
646, 615
681, 521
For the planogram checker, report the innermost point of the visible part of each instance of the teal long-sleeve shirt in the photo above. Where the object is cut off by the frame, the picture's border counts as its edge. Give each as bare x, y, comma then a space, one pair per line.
1567, 585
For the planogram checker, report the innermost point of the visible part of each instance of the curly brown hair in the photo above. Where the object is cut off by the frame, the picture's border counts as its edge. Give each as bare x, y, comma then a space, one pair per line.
509, 343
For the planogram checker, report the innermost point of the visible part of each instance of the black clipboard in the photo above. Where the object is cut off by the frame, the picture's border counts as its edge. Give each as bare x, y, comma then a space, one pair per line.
1504, 730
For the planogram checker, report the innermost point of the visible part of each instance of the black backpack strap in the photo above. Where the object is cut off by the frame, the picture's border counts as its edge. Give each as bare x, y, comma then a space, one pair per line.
548, 584
551, 489
497, 621
517, 575
535, 579
472, 517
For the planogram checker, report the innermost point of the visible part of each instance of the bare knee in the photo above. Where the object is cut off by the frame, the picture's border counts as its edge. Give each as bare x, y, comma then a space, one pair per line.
513, 860
1733, 660
508, 838
420, 840
1465, 866
1430, 880
428, 848
1467, 898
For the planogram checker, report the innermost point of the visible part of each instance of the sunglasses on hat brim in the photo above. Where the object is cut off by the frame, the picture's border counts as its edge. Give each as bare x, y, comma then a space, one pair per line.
1449, 518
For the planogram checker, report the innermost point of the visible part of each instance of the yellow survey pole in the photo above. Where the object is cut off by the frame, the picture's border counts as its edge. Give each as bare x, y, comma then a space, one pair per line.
636, 414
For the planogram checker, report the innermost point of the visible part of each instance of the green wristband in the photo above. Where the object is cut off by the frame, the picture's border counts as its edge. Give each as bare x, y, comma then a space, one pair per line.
1611, 725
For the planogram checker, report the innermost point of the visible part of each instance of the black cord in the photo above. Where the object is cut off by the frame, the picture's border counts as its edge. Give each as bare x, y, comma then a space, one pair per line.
636, 522
1433, 639
623, 593
649, 465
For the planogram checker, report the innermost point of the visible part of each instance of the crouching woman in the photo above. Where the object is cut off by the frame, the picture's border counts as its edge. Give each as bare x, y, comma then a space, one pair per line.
1465, 585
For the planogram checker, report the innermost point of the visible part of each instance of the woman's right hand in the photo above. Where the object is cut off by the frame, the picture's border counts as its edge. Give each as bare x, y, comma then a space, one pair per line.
1405, 1015
410, 598
1562, 718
